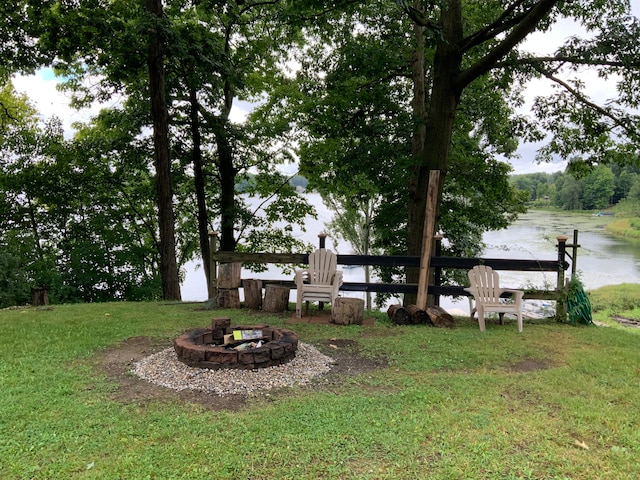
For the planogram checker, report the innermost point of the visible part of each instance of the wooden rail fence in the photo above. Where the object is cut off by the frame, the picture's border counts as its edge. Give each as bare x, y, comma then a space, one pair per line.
438, 262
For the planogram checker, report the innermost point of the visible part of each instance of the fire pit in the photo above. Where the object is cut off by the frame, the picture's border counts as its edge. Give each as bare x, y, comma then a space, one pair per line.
242, 346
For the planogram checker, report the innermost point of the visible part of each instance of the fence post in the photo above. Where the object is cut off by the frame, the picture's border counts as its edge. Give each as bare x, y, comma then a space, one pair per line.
437, 271
322, 237
574, 254
561, 303
212, 288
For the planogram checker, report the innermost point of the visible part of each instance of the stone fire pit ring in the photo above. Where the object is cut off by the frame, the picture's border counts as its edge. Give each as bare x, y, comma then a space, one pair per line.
265, 347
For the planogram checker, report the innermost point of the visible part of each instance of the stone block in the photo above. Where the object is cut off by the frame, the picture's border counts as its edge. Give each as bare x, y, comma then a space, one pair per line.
261, 354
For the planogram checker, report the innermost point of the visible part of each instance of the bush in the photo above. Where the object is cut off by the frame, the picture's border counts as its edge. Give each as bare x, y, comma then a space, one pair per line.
14, 284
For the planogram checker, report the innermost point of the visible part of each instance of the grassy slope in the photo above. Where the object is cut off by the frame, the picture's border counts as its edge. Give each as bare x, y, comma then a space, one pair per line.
451, 405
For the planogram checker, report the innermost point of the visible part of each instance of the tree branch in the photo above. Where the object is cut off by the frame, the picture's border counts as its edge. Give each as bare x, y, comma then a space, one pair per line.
502, 24
528, 22
623, 123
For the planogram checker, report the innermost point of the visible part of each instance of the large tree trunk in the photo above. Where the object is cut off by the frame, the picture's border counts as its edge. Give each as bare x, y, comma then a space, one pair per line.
166, 221
418, 105
199, 184
227, 190
226, 168
440, 119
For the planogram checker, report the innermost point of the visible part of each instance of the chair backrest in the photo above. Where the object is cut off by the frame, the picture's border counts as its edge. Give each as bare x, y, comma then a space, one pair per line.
486, 283
322, 266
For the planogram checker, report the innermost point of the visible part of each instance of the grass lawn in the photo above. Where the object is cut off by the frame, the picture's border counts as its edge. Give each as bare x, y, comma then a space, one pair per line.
555, 402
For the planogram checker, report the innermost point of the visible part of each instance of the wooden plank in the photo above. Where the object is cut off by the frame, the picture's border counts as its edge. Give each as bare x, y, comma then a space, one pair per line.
427, 238
396, 261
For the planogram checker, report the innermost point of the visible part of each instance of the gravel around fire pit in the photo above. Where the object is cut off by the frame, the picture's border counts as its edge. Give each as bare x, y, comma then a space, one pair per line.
164, 369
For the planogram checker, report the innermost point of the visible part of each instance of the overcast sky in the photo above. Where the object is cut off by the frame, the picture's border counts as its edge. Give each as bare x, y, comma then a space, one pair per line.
41, 89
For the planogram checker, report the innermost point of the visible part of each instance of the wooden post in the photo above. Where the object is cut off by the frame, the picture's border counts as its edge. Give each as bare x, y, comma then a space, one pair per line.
561, 303
574, 254
437, 272
212, 288
322, 237
427, 238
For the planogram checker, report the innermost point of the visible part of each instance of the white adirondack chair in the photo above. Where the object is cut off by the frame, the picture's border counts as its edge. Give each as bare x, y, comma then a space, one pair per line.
320, 282
486, 291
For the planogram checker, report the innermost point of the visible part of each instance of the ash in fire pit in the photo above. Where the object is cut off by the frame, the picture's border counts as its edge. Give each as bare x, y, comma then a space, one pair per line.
242, 346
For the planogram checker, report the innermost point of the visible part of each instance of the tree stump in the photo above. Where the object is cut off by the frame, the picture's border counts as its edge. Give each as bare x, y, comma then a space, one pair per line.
229, 275
418, 316
228, 298
252, 293
276, 298
39, 296
347, 311
399, 315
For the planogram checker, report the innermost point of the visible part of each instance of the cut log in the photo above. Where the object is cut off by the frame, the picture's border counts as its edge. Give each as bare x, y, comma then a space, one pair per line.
229, 275
399, 315
252, 293
347, 311
228, 298
276, 298
418, 316
440, 317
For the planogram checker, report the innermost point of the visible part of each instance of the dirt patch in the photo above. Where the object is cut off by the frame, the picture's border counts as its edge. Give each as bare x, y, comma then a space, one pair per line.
626, 322
116, 362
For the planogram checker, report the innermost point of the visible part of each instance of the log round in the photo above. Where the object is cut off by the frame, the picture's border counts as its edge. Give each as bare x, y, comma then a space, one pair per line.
347, 311
276, 298
229, 275
399, 315
228, 298
418, 316
440, 317
252, 293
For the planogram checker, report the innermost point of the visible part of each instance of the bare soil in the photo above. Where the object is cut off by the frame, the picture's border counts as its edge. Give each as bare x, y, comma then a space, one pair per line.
116, 362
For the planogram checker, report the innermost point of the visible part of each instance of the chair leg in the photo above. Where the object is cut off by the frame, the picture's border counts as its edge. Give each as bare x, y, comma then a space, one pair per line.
481, 318
519, 314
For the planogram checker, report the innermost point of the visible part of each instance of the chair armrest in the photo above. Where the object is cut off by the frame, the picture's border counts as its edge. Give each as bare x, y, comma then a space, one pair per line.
518, 294
337, 277
301, 276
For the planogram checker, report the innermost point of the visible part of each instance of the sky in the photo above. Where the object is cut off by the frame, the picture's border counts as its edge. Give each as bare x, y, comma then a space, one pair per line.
41, 89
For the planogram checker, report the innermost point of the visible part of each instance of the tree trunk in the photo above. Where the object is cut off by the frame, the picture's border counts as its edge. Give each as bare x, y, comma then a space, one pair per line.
440, 119
166, 222
227, 190
226, 168
199, 185
418, 105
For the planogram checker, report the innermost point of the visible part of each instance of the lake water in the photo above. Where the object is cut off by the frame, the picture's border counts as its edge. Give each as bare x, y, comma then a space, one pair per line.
602, 259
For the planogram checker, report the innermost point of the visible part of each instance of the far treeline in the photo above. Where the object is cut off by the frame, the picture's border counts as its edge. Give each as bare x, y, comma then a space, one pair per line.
595, 188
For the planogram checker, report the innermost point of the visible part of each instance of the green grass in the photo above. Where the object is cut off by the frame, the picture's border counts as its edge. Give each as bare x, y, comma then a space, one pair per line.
624, 227
451, 404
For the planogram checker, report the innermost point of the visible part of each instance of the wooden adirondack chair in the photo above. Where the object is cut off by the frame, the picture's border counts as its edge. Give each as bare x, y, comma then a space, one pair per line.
486, 291
320, 282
